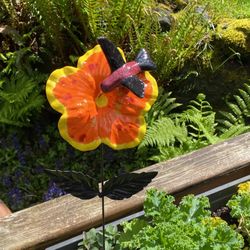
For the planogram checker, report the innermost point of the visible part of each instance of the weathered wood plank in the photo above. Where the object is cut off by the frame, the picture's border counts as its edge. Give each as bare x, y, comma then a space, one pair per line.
52, 221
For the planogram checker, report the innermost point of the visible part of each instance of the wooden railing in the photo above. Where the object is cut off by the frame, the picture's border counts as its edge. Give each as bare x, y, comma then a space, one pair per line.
45, 224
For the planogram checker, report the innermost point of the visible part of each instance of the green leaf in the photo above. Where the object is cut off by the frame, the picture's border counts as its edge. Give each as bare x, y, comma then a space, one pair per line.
131, 228
194, 208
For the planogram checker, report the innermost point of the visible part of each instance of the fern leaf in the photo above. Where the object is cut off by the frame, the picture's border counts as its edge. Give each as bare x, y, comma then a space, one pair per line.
163, 106
240, 102
164, 132
235, 109
19, 98
168, 153
224, 124
246, 97
239, 110
229, 116
234, 131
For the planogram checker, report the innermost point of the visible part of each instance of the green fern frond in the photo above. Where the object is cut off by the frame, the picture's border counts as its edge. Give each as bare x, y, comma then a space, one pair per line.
200, 119
163, 106
230, 118
239, 110
52, 17
19, 98
245, 94
92, 9
240, 102
144, 33
169, 152
164, 132
234, 130
166, 153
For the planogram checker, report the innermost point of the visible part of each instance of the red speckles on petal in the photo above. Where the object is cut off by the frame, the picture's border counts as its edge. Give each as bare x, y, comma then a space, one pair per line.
67, 96
93, 66
119, 127
82, 138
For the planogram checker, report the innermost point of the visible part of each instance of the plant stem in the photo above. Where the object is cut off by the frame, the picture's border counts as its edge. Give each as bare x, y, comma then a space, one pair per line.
102, 183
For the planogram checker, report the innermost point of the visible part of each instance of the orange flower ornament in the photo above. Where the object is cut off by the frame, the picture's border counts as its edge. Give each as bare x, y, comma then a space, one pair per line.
95, 107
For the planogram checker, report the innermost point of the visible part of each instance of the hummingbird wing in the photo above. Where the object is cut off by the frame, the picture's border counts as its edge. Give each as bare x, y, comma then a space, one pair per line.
112, 54
135, 85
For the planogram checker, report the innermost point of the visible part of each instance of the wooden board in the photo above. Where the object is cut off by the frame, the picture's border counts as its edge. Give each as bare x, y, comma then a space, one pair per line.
61, 218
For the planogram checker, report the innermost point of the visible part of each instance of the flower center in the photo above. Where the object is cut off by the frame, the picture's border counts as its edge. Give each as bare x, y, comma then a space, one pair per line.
101, 101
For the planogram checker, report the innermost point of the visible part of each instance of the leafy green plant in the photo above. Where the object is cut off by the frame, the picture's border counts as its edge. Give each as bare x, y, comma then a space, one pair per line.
57, 19
239, 110
20, 93
164, 106
19, 98
219, 8
93, 239
243, 10
181, 132
173, 49
23, 159
166, 226
172, 133
10, 9
187, 226
239, 205
84, 21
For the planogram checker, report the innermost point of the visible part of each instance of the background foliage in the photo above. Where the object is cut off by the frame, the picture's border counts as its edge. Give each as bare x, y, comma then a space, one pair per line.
204, 97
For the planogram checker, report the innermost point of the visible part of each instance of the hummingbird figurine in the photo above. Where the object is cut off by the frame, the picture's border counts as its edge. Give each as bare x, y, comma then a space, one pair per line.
124, 73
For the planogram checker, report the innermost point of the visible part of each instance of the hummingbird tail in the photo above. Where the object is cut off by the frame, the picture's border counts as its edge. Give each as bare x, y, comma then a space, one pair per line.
144, 60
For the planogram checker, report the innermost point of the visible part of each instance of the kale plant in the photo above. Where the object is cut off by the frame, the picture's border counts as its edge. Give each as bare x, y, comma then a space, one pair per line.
188, 226
240, 209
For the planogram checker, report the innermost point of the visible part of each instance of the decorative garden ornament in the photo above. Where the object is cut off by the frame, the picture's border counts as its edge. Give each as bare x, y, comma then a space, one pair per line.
125, 73
103, 100
89, 115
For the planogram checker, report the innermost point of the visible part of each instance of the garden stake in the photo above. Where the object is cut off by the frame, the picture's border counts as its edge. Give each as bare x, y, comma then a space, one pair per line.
102, 192
103, 100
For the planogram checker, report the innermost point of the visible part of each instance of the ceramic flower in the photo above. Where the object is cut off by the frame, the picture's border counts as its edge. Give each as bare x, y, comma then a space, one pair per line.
90, 116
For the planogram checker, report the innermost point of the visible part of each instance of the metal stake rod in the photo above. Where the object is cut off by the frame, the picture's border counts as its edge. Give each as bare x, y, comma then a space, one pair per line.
102, 184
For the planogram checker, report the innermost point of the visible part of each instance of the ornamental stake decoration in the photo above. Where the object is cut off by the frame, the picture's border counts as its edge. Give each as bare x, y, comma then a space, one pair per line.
103, 101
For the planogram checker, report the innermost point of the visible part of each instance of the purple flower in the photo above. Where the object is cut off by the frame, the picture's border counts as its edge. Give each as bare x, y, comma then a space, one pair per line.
70, 152
7, 182
15, 142
28, 150
21, 158
15, 196
20, 155
53, 192
38, 169
43, 144
18, 173
41, 141
59, 163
